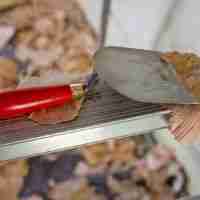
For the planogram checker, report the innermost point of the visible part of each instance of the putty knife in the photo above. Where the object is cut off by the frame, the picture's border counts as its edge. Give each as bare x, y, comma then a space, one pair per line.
141, 75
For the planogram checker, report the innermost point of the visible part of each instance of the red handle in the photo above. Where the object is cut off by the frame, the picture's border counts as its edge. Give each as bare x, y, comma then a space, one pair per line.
23, 101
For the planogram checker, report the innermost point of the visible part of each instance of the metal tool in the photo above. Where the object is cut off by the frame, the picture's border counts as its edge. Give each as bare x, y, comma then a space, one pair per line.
141, 76
137, 74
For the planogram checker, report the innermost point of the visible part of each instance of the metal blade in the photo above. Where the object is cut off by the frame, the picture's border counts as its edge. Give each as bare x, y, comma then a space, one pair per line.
141, 76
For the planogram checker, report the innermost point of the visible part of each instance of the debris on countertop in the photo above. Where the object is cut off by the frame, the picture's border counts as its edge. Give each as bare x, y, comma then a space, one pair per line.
157, 174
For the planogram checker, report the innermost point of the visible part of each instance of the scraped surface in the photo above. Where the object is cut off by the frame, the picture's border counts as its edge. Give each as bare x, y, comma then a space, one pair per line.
184, 120
67, 112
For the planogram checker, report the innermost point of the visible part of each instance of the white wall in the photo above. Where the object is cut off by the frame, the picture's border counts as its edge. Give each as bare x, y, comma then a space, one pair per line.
136, 23
183, 32
93, 10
